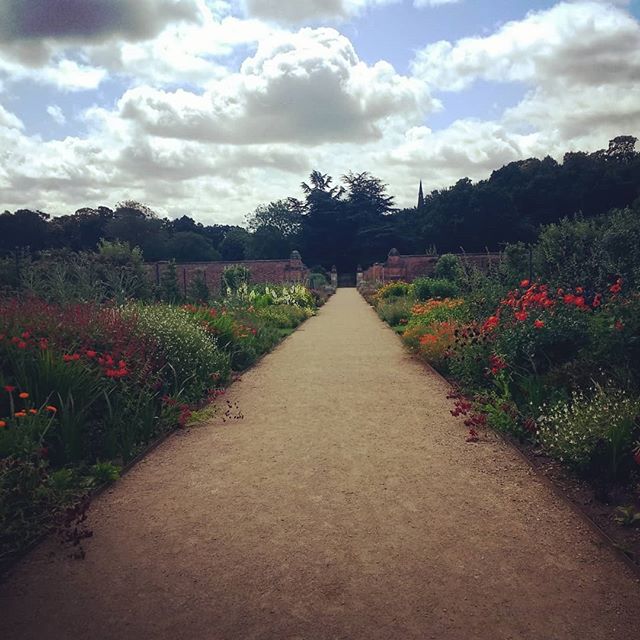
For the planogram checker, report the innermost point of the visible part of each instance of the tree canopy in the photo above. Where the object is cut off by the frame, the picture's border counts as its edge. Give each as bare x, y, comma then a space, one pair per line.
352, 220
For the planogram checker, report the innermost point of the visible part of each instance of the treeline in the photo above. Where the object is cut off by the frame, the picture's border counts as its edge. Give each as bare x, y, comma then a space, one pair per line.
354, 221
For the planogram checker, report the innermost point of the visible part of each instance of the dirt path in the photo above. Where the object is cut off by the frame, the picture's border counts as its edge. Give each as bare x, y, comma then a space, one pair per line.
346, 505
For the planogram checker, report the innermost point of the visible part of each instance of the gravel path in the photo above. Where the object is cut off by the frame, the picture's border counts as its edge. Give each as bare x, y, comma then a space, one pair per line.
346, 505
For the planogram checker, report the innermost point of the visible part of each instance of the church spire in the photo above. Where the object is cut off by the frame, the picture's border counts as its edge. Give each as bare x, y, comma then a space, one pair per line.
420, 197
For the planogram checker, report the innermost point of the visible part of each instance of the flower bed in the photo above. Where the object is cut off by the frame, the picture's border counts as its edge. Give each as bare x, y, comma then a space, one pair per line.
84, 388
556, 368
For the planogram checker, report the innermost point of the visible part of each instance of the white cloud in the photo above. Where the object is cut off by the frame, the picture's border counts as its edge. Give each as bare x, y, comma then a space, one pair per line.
56, 113
571, 43
308, 87
9, 120
306, 11
419, 4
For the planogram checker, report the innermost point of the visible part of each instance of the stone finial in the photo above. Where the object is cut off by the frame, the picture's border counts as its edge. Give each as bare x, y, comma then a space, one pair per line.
393, 253
295, 255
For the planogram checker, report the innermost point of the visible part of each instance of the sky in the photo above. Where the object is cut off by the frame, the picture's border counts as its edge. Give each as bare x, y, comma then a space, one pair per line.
210, 108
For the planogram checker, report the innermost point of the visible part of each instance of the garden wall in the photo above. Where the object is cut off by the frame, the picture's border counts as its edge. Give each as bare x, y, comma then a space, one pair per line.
408, 268
272, 271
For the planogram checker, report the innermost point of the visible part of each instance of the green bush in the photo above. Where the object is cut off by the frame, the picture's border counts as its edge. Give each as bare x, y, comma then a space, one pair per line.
317, 280
395, 290
395, 311
449, 268
283, 316
194, 361
234, 277
593, 431
425, 288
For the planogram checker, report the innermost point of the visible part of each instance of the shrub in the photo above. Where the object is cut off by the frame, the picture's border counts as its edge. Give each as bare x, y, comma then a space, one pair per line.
317, 280
425, 288
438, 311
395, 311
435, 343
594, 431
449, 268
195, 364
234, 276
283, 316
393, 290
198, 289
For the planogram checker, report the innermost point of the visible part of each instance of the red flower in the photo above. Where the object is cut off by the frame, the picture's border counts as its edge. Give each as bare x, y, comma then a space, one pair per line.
616, 288
473, 436
91, 354
496, 364
26, 335
569, 299
44, 344
619, 326
22, 344
521, 315
491, 323
9, 388
525, 283
597, 300
538, 324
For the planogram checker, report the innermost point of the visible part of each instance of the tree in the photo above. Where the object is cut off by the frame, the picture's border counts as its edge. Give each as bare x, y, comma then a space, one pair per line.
235, 244
188, 246
169, 290
276, 229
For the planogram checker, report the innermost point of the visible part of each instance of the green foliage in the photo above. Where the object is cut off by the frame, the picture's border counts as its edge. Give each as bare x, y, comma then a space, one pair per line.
425, 288
104, 472
194, 362
198, 289
592, 252
283, 316
234, 277
317, 280
395, 311
449, 268
394, 290
169, 290
594, 431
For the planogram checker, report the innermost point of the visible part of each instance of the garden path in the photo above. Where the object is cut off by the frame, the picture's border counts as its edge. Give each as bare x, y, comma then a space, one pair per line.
346, 505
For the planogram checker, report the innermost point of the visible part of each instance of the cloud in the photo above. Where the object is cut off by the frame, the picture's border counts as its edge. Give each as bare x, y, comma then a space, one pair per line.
419, 4
91, 20
305, 11
309, 87
9, 120
56, 113
569, 44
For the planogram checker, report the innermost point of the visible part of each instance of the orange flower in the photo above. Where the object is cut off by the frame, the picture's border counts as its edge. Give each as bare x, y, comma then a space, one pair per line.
3, 424
33, 412
24, 395
21, 414
51, 408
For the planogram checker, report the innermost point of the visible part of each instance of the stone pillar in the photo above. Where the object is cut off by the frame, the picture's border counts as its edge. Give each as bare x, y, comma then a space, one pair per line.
334, 277
359, 276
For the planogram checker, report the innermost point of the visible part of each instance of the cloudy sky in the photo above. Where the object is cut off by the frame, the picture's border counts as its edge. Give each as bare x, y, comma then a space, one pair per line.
211, 107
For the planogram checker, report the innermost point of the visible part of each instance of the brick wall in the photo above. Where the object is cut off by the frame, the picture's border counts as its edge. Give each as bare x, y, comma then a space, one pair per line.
408, 268
271, 271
